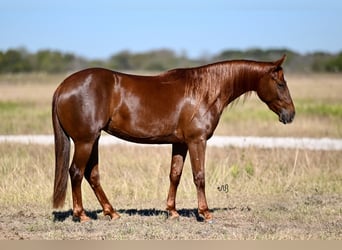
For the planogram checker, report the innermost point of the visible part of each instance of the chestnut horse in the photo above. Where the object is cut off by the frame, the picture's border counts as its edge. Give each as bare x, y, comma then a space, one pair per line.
181, 107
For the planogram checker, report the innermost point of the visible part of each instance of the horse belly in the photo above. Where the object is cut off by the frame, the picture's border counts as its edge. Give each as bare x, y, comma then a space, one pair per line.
144, 125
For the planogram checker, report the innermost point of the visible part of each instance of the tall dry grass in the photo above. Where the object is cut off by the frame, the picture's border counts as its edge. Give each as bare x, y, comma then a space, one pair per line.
138, 175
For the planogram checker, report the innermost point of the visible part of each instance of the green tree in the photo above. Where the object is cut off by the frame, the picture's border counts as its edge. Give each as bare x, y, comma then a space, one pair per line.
14, 61
334, 64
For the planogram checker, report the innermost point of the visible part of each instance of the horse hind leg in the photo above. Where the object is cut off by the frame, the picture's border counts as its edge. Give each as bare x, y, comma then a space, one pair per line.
76, 171
93, 177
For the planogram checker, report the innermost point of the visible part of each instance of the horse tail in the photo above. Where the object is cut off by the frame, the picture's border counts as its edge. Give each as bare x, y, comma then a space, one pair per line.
62, 156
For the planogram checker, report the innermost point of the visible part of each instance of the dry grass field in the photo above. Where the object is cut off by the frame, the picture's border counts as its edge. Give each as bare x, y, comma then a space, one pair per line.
270, 193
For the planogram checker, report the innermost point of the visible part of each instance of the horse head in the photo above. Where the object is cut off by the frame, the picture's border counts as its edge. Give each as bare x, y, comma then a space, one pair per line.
272, 90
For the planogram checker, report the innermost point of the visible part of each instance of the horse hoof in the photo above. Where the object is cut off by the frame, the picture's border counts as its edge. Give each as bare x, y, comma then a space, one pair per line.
84, 219
115, 216
173, 215
206, 216
111, 214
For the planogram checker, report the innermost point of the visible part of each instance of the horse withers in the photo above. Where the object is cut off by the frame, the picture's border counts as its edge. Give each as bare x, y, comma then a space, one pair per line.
181, 107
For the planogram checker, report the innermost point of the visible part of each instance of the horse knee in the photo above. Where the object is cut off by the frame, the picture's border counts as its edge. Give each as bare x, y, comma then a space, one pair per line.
76, 174
93, 178
175, 175
176, 168
199, 179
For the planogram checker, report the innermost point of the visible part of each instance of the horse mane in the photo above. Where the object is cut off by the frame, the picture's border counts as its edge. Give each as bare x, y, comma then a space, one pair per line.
204, 83
230, 78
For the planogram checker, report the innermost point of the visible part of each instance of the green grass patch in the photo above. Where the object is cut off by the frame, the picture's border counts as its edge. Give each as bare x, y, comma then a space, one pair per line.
314, 108
258, 111
253, 110
24, 118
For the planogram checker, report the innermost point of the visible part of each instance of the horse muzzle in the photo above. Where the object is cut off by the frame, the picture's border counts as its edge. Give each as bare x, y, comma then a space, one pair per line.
286, 116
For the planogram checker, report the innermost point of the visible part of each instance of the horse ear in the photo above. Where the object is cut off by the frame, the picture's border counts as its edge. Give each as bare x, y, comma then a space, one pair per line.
279, 62
275, 66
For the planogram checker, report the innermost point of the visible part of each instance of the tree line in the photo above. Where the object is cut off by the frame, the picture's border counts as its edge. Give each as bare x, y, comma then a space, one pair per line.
53, 61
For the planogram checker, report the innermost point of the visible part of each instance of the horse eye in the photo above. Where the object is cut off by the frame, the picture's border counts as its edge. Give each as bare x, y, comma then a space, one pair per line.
281, 84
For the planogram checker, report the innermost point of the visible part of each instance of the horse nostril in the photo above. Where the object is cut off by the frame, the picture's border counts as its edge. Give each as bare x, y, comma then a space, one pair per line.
292, 116
286, 117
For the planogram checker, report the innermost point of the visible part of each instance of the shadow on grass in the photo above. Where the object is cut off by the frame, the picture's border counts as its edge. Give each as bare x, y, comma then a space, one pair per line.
60, 216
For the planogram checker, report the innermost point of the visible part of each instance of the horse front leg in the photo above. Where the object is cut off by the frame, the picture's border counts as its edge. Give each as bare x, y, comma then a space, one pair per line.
197, 157
179, 152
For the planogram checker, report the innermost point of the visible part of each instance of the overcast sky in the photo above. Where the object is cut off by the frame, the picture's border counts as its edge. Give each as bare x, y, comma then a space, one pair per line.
98, 29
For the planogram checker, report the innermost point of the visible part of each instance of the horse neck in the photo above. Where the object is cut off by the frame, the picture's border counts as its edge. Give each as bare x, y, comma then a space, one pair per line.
220, 83
241, 77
